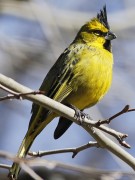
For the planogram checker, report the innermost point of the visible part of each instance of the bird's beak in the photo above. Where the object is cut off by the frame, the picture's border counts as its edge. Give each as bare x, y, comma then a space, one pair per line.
110, 36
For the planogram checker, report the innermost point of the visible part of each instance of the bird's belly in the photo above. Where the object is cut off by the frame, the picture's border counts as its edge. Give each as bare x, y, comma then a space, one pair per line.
82, 101
87, 96
92, 79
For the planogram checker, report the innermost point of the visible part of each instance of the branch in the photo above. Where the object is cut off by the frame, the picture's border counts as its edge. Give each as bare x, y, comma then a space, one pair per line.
30, 171
118, 135
67, 112
15, 95
5, 166
75, 151
51, 165
107, 121
22, 162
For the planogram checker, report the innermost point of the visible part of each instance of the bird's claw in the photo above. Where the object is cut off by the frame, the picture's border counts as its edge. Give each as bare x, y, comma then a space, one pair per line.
80, 115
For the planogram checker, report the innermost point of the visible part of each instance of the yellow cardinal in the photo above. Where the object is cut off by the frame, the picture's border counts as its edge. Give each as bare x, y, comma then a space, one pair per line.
81, 76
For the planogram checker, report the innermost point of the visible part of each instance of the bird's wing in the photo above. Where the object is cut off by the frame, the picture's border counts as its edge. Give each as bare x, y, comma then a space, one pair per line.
55, 84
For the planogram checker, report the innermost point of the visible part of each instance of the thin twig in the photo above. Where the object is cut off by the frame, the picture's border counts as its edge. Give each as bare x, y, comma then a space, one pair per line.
7, 89
5, 166
22, 162
75, 151
118, 135
15, 95
123, 111
30, 171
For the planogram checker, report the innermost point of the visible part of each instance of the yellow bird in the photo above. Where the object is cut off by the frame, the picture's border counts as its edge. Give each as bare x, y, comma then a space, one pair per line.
80, 77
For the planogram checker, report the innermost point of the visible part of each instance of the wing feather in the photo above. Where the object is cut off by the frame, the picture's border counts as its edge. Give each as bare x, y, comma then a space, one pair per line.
55, 84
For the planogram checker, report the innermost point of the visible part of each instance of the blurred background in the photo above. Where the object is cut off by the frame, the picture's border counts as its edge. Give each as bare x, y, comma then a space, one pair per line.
33, 33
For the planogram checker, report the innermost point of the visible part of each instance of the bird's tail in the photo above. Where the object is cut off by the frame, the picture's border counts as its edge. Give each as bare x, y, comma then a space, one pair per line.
23, 150
26, 144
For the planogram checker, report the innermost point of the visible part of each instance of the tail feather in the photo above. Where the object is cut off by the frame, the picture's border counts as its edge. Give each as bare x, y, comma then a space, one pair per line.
62, 126
27, 142
23, 150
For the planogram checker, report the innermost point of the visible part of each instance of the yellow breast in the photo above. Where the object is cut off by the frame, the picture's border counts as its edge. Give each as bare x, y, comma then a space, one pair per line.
92, 77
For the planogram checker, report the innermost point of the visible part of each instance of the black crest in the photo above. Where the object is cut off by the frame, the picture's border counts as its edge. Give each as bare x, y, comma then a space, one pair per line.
102, 17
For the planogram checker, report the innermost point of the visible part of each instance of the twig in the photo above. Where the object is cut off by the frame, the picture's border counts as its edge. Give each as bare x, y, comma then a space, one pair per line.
22, 162
5, 166
15, 95
118, 135
30, 171
51, 165
107, 121
7, 89
75, 151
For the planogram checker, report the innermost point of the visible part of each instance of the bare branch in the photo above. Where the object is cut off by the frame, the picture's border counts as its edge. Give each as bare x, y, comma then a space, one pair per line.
15, 95
107, 121
119, 136
22, 162
75, 151
7, 89
5, 166
30, 171
69, 113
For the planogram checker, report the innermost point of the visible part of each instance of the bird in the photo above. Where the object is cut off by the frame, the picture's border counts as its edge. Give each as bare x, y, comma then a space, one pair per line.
79, 78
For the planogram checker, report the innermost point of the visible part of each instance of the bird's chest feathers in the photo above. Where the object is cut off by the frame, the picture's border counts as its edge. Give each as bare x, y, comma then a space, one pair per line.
93, 76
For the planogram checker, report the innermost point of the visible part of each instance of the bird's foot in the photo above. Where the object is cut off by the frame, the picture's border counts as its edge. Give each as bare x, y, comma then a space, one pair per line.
80, 115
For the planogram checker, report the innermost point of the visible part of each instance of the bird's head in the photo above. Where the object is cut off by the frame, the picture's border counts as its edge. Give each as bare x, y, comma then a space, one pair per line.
97, 31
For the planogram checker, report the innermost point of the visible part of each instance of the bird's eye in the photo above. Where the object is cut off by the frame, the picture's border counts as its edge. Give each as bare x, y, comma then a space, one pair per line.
97, 32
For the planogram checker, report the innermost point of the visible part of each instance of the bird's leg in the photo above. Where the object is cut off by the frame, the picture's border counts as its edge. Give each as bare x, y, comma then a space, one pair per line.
79, 114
